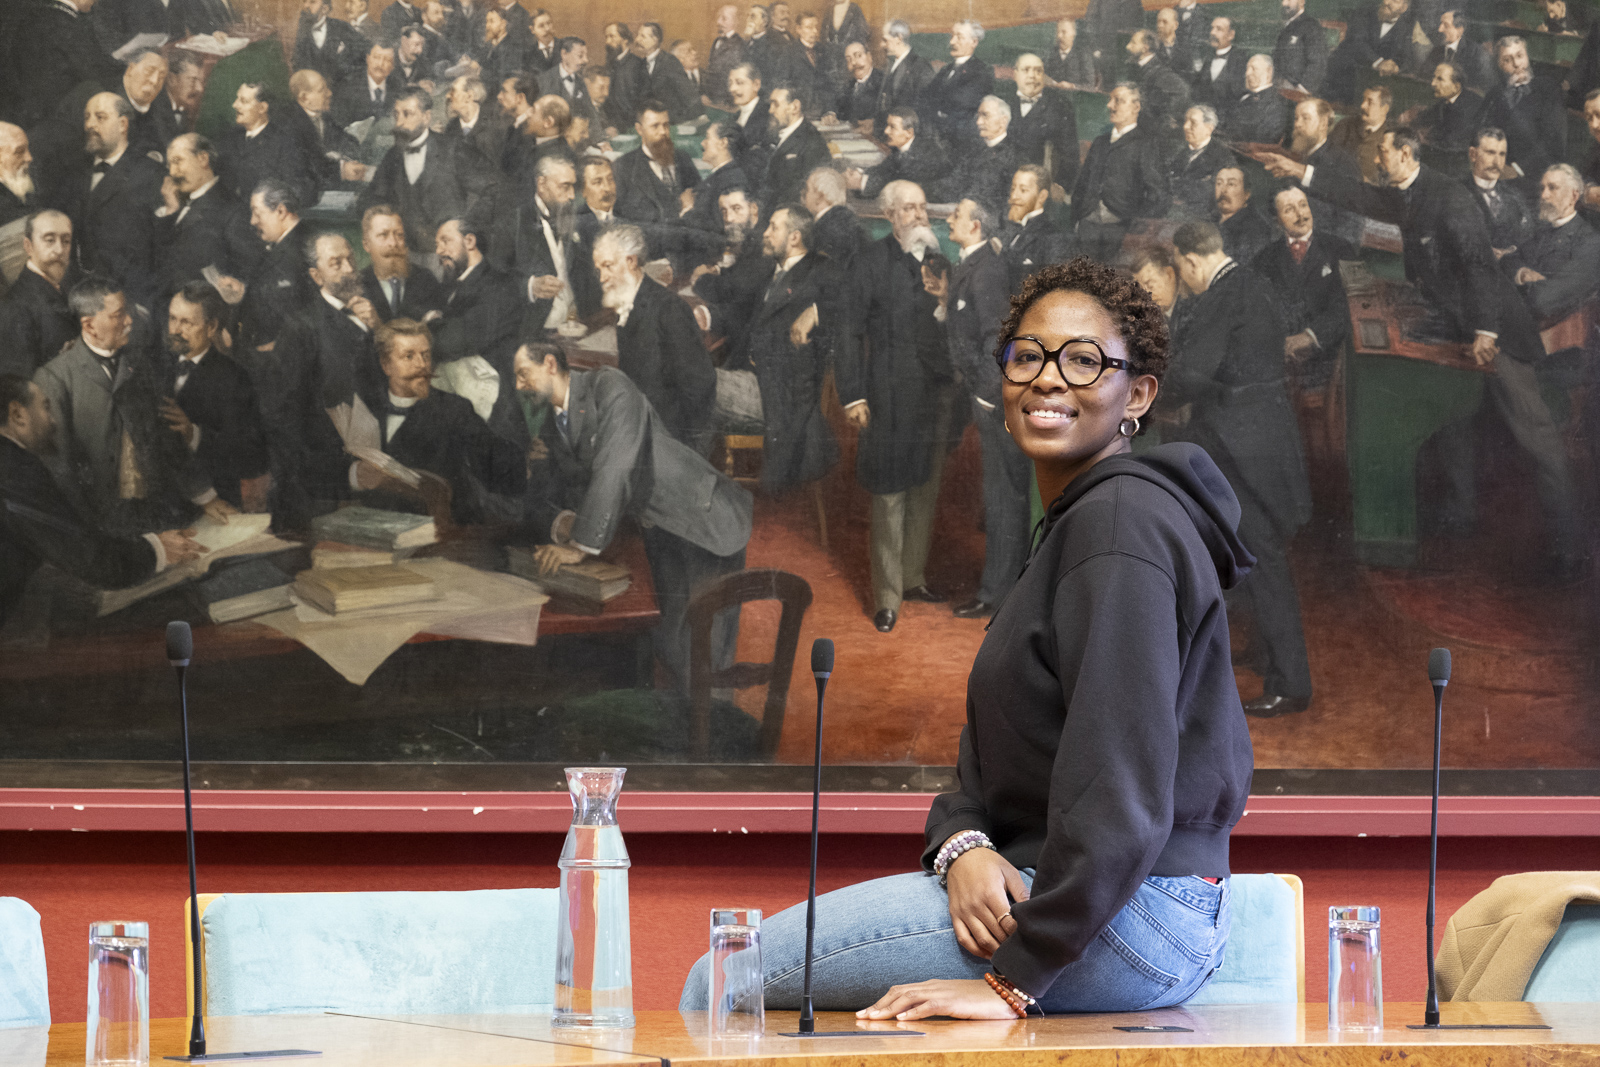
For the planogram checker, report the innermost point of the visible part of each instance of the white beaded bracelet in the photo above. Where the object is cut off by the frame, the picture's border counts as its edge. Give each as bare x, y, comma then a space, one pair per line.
960, 843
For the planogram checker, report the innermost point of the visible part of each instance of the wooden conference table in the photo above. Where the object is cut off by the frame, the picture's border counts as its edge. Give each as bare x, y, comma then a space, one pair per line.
1217, 1034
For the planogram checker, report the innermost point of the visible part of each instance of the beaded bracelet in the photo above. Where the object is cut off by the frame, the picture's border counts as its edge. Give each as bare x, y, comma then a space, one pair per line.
1015, 999
960, 843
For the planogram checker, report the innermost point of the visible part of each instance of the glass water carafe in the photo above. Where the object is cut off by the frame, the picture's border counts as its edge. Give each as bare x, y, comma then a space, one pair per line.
594, 971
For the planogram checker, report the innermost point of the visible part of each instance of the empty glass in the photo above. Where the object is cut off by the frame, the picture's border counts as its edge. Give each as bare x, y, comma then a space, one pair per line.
119, 994
737, 1002
1355, 970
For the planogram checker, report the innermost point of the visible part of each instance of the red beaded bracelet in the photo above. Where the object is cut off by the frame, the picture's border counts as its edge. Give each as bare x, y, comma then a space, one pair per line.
1015, 998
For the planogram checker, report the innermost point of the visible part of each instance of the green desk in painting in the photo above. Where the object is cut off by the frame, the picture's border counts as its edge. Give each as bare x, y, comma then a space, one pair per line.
1401, 391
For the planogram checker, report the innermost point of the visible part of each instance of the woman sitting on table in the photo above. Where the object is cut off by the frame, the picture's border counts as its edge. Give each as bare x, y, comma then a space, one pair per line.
1082, 863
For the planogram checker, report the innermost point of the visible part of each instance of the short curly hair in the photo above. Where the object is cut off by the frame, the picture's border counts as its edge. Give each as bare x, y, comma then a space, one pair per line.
1139, 319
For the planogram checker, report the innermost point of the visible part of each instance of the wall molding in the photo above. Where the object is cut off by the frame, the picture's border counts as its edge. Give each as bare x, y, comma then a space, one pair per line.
298, 811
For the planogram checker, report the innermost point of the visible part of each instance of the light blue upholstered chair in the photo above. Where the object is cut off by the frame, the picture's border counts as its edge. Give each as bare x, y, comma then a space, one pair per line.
1569, 970
483, 952
1265, 962
24, 983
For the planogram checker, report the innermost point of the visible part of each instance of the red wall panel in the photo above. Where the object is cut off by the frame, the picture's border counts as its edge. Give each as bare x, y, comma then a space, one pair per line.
73, 879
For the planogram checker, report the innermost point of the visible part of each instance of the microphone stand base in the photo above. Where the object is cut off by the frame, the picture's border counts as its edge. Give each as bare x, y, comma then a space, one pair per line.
1476, 1026
219, 1057
858, 1033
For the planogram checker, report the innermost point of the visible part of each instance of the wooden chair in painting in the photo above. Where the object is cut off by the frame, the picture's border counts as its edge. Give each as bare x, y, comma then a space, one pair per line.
731, 591
748, 447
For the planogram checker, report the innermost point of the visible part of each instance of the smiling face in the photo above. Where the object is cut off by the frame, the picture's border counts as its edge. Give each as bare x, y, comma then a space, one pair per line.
1064, 428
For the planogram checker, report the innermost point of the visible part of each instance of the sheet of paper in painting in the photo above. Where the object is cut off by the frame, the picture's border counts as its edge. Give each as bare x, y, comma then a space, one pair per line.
472, 379
358, 429
603, 340
210, 46
241, 535
476, 604
13, 257
137, 43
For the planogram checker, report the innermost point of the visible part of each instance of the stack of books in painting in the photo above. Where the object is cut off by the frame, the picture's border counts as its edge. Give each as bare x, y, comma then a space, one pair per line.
356, 561
242, 591
574, 588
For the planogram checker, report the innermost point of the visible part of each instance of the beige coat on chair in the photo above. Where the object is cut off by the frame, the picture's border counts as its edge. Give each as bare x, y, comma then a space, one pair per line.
1493, 943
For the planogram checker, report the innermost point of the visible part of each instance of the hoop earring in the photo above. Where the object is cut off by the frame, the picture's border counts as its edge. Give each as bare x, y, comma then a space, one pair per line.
1007, 425
1122, 427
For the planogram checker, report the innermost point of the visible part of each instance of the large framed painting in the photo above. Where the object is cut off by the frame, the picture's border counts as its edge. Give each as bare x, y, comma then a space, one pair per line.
663, 442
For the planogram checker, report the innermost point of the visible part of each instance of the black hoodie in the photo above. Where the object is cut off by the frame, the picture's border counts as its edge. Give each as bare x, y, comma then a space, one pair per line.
1105, 741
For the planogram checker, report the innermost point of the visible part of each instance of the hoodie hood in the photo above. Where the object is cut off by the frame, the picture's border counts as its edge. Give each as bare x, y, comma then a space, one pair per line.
1190, 476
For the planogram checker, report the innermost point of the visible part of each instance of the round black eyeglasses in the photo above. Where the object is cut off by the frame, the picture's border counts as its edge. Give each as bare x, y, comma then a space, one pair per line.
1080, 361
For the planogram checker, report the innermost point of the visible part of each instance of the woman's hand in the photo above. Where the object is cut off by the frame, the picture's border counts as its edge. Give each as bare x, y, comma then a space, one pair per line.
957, 999
979, 881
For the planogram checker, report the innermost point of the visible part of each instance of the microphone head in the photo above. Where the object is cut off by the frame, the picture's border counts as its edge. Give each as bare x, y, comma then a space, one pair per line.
180, 643
1439, 666
822, 656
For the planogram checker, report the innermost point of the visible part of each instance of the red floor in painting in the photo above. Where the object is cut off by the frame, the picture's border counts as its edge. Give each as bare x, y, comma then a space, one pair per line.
1522, 693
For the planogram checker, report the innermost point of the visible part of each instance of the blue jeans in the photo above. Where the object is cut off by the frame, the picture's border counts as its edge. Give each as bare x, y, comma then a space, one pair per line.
1158, 951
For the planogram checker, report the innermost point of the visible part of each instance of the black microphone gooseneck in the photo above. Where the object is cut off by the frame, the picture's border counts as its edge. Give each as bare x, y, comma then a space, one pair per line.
180, 650
821, 669
1439, 675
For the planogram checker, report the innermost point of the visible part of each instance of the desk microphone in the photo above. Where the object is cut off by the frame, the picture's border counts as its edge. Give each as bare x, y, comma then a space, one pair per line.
1439, 675
180, 650
822, 669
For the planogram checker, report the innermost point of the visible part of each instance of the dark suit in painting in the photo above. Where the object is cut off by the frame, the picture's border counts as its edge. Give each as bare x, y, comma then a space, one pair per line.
39, 524
1227, 370
798, 446
443, 435
801, 152
1449, 258
1192, 176
1045, 131
922, 161
452, 180
979, 299
1312, 297
659, 347
420, 293
114, 224
951, 97
1567, 256
903, 82
1300, 55
277, 290
903, 372
35, 323
1120, 181
219, 398
210, 230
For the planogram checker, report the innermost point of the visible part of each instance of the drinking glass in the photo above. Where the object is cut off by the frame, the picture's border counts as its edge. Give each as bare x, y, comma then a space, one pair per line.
119, 995
737, 1004
1355, 969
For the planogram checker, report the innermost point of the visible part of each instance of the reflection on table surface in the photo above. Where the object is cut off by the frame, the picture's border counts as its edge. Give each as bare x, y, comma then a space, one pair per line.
1217, 1034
